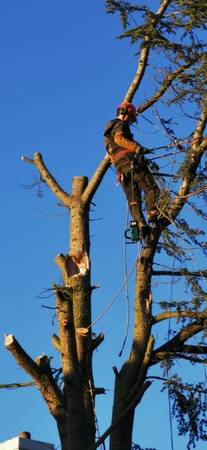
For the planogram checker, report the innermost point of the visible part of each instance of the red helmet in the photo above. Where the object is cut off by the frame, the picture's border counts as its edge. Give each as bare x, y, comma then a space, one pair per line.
127, 108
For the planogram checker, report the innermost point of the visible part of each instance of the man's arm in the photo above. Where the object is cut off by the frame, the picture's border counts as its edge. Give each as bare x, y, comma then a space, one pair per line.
125, 143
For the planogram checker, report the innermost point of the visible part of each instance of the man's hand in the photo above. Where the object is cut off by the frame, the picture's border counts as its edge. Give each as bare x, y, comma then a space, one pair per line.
141, 150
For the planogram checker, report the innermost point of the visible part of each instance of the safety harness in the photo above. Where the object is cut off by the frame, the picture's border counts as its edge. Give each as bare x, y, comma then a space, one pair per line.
119, 154
115, 152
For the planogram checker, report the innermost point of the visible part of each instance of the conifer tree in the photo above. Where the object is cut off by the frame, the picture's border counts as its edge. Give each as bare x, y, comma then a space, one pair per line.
170, 47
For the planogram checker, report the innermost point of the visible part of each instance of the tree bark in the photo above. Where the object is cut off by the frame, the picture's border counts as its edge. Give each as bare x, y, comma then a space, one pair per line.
131, 378
74, 319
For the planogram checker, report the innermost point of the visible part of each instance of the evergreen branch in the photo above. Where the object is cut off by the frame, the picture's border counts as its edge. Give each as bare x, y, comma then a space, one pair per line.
165, 85
180, 273
198, 133
199, 191
175, 344
192, 359
147, 43
179, 355
191, 163
195, 349
179, 314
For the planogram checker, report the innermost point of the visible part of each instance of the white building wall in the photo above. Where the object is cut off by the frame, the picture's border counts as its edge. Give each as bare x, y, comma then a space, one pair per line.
19, 443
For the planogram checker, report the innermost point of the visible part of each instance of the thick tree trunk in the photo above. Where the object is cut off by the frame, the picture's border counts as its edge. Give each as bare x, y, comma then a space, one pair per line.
77, 430
72, 404
71, 432
130, 382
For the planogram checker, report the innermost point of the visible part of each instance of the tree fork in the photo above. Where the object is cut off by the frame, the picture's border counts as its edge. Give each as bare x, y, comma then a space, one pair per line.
125, 403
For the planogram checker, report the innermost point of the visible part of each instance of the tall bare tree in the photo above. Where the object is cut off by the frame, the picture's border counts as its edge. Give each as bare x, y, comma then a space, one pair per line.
169, 47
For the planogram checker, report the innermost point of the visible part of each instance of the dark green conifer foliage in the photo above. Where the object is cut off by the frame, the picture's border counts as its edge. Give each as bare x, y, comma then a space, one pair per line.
171, 41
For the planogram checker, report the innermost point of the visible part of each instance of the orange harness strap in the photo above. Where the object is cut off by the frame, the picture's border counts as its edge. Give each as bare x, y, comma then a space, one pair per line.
119, 154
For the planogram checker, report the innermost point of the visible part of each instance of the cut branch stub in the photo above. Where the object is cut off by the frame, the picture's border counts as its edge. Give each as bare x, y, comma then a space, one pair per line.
28, 160
67, 336
56, 342
97, 341
22, 358
42, 376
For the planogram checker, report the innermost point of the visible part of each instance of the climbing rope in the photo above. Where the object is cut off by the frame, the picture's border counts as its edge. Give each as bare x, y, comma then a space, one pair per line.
168, 369
126, 287
114, 298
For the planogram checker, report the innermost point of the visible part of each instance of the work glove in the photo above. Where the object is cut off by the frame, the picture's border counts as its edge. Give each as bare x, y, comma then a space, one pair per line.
141, 151
146, 151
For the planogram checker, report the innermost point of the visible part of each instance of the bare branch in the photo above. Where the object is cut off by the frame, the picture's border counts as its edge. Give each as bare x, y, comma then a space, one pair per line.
143, 370
17, 385
28, 160
195, 349
175, 344
51, 182
60, 260
22, 358
96, 180
192, 359
192, 194
161, 356
140, 70
197, 136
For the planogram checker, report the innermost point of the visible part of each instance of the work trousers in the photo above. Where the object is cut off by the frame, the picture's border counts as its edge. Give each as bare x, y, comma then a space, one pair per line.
134, 180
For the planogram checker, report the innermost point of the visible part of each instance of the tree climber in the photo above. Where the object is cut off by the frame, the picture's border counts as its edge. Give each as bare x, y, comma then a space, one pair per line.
127, 156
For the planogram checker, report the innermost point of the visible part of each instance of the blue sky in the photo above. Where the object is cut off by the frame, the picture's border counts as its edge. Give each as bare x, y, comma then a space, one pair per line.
63, 72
